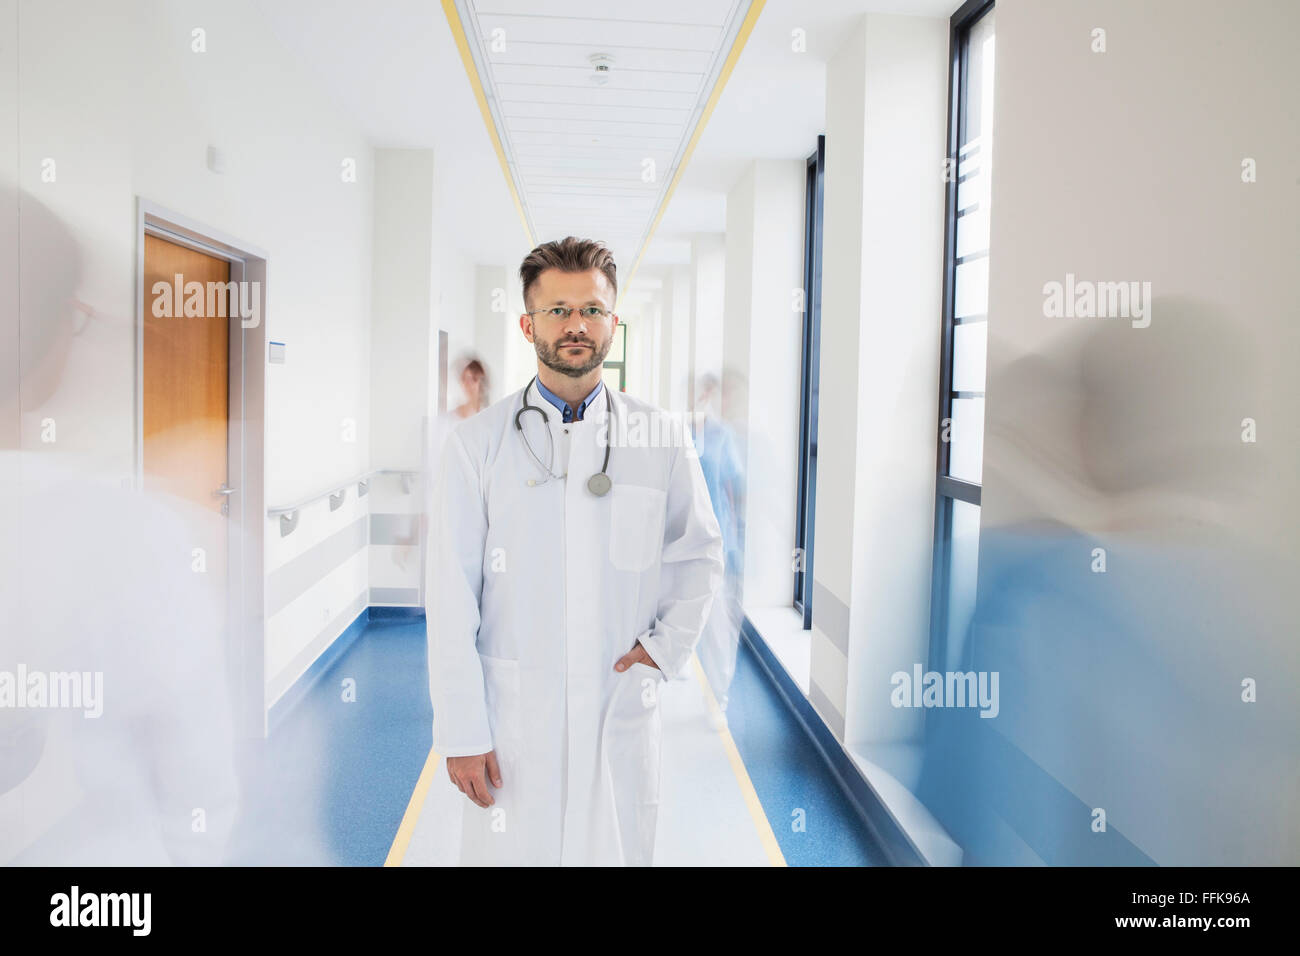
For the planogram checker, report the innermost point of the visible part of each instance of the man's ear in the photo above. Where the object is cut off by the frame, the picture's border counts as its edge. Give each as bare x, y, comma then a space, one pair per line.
526, 326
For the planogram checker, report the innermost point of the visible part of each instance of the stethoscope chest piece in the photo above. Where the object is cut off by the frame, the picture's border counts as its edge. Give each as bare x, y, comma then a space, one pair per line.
599, 484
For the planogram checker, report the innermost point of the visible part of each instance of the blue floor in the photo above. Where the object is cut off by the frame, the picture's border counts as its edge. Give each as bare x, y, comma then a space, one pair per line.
332, 782
790, 776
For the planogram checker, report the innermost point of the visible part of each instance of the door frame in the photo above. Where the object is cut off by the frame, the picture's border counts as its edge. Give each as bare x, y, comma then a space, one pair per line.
245, 450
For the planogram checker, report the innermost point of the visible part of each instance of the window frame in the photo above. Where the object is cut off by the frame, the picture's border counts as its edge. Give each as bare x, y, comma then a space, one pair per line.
809, 379
947, 488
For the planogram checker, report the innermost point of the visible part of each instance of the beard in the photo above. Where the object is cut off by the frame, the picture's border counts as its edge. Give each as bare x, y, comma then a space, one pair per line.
554, 358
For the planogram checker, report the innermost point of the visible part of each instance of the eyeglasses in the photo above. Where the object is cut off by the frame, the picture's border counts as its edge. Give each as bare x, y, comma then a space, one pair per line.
559, 312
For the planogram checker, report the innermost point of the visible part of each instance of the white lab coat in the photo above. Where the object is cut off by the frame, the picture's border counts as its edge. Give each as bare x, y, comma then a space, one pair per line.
535, 593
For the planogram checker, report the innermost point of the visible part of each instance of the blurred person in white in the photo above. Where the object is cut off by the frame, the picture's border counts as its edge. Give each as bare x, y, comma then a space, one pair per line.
97, 593
475, 384
472, 376
1127, 590
724, 474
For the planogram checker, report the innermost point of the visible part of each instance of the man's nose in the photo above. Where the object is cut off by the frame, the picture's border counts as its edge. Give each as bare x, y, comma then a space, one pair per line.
575, 324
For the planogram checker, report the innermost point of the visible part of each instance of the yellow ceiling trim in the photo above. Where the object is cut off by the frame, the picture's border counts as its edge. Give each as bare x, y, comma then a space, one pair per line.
742, 36
467, 58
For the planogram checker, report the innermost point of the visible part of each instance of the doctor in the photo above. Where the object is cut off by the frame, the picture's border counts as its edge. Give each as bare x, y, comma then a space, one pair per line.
571, 576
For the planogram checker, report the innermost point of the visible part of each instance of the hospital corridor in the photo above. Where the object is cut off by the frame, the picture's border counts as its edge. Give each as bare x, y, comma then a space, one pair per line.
682, 435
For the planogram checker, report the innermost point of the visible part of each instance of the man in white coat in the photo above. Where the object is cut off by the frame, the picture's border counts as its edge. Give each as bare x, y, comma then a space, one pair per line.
574, 559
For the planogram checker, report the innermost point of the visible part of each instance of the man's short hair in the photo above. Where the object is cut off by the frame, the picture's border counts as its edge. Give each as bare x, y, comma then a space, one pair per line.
569, 254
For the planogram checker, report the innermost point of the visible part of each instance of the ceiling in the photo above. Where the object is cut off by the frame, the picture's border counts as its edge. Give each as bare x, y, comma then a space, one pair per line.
588, 158
393, 69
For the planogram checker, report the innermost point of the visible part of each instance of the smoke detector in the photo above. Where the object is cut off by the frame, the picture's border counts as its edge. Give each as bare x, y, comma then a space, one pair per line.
601, 64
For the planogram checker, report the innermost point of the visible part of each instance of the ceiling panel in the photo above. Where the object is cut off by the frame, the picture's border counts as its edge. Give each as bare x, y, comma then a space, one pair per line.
705, 12
573, 55
606, 32
593, 96
670, 81
619, 128
578, 151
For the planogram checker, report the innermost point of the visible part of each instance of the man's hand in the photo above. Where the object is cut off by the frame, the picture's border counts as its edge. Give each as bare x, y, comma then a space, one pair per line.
471, 774
636, 655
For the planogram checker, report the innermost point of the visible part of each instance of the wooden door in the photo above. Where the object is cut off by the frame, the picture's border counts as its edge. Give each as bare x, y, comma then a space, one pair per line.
186, 379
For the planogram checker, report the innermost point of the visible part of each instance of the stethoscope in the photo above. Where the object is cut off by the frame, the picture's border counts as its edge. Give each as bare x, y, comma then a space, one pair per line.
599, 483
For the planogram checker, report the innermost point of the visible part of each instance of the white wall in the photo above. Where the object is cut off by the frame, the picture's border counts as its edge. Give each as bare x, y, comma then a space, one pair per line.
125, 109
881, 291
761, 360
403, 336
708, 260
11, 329
656, 355
493, 326
637, 314
403, 365
842, 293
898, 365
680, 386
520, 356
124, 106
668, 347
455, 294
738, 306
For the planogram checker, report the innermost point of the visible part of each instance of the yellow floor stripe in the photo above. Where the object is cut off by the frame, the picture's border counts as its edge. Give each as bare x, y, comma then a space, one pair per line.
766, 836
413, 809
476, 84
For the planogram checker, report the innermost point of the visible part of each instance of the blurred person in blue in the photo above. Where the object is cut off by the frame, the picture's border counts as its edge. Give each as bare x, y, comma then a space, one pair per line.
724, 474
1138, 622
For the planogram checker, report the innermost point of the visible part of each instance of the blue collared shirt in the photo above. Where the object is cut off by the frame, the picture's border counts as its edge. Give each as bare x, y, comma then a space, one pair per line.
569, 414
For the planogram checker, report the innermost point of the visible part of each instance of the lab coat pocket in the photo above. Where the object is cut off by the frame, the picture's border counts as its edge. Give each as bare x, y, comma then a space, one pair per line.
501, 686
636, 526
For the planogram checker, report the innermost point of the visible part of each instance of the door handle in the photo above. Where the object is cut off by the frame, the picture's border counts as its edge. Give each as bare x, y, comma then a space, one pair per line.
224, 493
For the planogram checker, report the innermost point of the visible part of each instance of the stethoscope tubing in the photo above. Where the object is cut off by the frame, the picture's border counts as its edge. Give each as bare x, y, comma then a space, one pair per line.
526, 406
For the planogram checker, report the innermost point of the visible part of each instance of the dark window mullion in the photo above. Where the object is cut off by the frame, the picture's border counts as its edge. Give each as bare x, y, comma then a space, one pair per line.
951, 489
967, 491
809, 390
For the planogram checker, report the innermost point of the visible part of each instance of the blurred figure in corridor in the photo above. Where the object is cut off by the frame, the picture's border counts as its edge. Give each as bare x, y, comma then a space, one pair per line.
1130, 619
724, 473
117, 723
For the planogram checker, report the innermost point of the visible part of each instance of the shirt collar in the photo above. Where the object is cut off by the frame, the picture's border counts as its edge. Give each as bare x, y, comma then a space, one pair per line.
563, 407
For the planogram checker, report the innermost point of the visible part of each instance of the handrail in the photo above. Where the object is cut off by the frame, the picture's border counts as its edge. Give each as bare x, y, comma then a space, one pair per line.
288, 514
334, 489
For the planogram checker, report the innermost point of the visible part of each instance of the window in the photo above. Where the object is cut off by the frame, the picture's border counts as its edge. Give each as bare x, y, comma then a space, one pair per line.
614, 371
965, 331
810, 353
